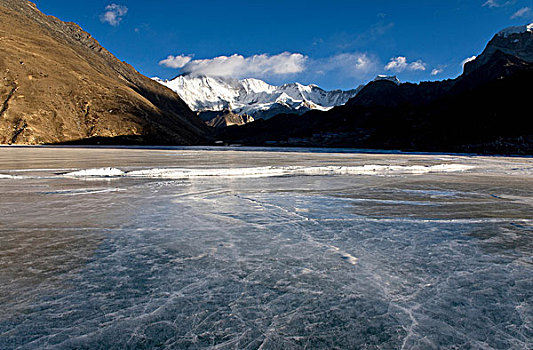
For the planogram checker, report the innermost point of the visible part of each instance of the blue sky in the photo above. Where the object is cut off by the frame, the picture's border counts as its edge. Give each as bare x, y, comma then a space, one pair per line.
334, 43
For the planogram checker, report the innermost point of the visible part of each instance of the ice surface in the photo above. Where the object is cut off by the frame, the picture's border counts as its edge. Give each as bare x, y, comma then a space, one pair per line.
135, 252
82, 191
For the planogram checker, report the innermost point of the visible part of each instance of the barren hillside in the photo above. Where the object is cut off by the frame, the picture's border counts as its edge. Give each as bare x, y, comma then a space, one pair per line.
57, 84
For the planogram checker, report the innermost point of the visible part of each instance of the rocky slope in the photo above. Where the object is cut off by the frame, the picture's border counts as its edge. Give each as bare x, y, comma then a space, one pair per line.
253, 97
57, 84
485, 110
515, 41
222, 119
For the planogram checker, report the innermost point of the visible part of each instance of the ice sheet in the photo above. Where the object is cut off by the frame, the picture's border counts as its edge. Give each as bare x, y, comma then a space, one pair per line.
104, 248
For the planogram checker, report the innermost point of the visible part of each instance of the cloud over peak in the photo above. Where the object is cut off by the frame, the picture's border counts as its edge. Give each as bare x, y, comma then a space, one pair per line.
263, 66
113, 14
238, 66
400, 64
175, 61
349, 64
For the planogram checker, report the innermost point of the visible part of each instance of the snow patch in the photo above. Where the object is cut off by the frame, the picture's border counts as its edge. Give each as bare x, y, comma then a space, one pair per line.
179, 173
98, 172
6, 176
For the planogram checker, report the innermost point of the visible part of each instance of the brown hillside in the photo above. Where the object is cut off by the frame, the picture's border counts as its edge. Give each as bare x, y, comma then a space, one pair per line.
57, 84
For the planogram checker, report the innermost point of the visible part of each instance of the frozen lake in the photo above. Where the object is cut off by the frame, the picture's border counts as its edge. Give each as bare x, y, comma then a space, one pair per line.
244, 249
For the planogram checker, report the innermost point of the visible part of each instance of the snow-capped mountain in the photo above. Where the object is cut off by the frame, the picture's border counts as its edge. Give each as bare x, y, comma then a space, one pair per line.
253, 97
392, 78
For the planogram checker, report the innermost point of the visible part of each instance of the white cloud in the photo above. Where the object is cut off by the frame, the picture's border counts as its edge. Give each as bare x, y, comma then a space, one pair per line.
346, 66
114, 14
417, 65
436, 71
175, 61
496, 3
351, 64
491, 4
238, 66
523, 12
400, 63
469, 59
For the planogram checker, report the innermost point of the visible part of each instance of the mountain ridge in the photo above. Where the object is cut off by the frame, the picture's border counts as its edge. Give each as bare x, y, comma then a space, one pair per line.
253, 97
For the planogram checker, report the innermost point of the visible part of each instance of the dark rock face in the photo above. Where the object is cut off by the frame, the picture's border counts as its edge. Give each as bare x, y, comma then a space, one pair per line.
485, 110
517, 44
57, 84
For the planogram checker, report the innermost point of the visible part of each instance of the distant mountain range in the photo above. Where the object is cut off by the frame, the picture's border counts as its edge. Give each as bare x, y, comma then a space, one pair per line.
487, 109
57, 85
253, 97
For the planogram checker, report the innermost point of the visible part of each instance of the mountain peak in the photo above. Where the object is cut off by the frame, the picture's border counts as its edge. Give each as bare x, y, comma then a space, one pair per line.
513, 41
516, 30
392, 78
